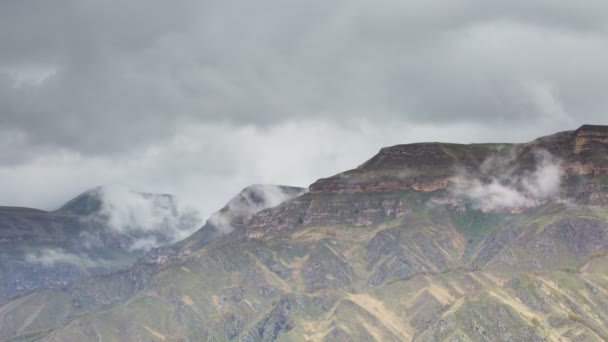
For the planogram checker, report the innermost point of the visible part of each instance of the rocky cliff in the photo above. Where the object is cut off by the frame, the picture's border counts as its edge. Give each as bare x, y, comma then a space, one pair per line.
431, 166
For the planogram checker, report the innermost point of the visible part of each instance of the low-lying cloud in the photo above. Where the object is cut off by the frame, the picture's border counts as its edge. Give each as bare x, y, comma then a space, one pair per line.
142, 221
258, 197
503, 186
49, 257
250, 201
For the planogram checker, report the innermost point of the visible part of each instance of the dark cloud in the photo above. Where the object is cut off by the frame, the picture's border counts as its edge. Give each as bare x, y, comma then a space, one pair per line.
144, 92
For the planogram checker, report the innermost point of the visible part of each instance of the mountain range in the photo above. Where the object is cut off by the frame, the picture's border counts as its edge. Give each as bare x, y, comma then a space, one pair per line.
422, 242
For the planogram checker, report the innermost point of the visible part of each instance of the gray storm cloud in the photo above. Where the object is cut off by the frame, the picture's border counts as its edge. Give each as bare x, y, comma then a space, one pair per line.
187, 94
502, 187
113, 65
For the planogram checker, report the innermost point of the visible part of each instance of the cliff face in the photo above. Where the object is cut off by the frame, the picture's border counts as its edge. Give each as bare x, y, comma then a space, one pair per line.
431, 166
588, 138
422, 167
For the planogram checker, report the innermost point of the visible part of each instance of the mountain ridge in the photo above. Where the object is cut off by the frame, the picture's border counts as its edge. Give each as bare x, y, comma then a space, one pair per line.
513, 247
568, 145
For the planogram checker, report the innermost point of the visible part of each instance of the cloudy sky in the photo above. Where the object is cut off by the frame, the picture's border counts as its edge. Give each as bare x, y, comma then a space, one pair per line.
201, 98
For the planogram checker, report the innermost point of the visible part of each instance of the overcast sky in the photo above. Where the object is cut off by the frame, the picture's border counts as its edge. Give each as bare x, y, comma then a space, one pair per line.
202, 98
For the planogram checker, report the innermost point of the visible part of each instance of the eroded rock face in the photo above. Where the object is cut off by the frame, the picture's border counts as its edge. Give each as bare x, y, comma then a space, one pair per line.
325, 269
399, 253
589, 137
277, 322
581, 157
584, 168
327, 210
589, 145
383, 183
486, 320
582, 236
423, 167
573, 238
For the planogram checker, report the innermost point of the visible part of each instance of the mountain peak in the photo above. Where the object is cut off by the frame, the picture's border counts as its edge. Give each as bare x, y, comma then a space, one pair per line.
237, 212
250, 201
430, 166
86, 203
257, 197
92, 201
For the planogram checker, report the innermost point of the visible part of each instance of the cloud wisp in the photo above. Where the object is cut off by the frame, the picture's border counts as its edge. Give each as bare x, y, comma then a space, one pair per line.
249, 202
503, 185
141, 221
49, 257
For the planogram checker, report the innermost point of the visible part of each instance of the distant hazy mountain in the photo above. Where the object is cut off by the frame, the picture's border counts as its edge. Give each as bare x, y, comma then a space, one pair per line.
99, 231
424, 242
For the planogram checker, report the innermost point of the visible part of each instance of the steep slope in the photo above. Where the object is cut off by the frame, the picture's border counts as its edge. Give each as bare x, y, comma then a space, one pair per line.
424, 242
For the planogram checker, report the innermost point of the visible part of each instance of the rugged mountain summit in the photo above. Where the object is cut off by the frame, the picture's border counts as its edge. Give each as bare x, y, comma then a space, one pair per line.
423, 242
86, 203
432, 166
576, 165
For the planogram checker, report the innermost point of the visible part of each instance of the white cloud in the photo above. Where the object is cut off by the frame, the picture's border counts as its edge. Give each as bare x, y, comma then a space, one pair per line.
28, 76
53, 256
250, 201
503, 185
206, 165
148, 220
